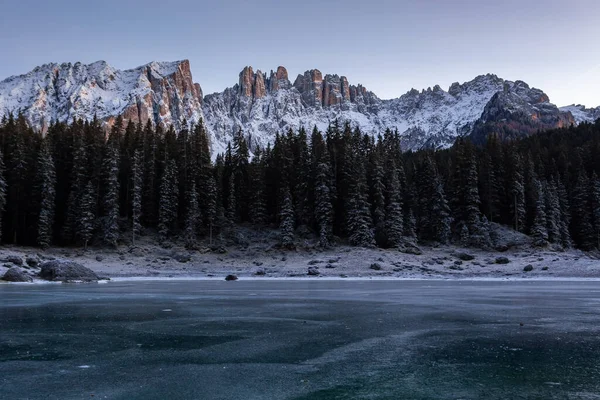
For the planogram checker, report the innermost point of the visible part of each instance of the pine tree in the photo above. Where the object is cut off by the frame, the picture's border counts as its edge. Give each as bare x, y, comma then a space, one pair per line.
192, 218
440, 214
581, 225
377, 193
46, 181
2, 190
323, 209
565, 215
466, 200
231, 201
136, 198
539, 230
358, 215
516, 190
169, 200
78, 178
110, 172
286, 220
552, 212
258, 208
87, 207
210, 206
595, 204
394, 216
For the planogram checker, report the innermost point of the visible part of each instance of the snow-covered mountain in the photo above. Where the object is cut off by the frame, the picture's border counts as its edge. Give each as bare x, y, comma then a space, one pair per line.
160, 91
263, 104
582, 114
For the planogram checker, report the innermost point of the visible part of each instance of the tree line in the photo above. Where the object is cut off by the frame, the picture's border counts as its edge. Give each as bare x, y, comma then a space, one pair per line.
80, 185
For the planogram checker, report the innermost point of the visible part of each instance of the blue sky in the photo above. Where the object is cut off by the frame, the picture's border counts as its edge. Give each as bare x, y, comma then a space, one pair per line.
390, 46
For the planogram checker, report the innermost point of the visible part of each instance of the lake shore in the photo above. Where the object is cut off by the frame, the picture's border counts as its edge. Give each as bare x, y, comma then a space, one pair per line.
147, 261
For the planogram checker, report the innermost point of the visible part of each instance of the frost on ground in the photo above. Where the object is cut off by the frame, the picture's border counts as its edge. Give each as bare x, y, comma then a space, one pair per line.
248, 253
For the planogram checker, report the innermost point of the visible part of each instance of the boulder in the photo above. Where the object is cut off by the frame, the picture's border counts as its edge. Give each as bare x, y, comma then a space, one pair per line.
32, 261
67, 271
15, 260
376, 267
231, 277
181, 257
313, 271
502, 260
464, 256
16, 274
528, 268
260, 272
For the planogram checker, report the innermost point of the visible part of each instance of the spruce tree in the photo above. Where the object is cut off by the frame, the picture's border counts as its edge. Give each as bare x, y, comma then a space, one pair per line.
258, 208
110, 172
323, 209
565, 215
136, 195
287, 220
581, 218
539, 230
211, 206
79, 180
2, 191
552, 212
192, 219
87, 215
595, 204
46, 186
516, 191
394, 216
377, 193
169, 200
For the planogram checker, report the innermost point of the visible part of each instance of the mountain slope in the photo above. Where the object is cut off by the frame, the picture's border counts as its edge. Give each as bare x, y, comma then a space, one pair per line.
263, 104
582, 114
162, 92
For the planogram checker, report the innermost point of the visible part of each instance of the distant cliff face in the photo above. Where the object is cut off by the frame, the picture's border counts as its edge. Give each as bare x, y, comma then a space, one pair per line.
160, 92
263, 104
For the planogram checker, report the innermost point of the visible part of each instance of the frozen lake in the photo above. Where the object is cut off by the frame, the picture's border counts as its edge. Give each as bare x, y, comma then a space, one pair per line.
301, 340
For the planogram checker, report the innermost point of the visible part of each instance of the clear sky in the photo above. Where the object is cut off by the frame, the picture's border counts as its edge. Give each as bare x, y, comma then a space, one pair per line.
390, 46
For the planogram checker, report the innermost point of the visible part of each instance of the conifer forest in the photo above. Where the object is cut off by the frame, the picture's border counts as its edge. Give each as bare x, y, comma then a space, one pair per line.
79, 185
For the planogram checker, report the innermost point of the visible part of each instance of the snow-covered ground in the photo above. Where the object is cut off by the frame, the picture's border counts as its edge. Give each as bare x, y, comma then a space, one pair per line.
262, 259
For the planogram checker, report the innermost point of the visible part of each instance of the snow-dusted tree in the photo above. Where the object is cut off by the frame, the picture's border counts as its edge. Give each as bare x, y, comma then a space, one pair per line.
169, 199
377, 193
258, 209
440, 213
136, 195
565, 215
2, 190
539, 230
287, 219
210, 202
231, 201
466, 200
516, 190
323, 209
46, 186
192, 218
110, 174
581, 218
434, 213
87, 208
394, 216
552, 212
595, 204
77, 188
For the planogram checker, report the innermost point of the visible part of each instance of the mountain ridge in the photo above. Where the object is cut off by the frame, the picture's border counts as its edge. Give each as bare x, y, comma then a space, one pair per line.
262, 104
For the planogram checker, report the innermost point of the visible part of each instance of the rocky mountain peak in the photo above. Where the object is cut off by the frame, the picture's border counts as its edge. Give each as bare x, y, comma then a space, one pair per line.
263, 104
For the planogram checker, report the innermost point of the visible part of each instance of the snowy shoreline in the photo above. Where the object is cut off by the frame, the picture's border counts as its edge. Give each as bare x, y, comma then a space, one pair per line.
149, 262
